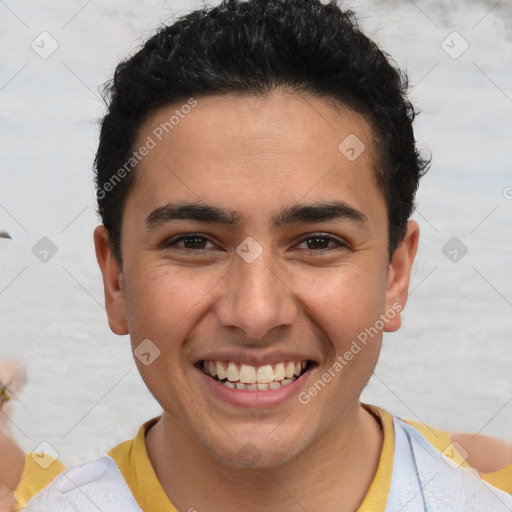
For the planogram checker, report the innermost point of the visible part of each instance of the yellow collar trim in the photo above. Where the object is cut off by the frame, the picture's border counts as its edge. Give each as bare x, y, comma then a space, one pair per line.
376, 498
133, 461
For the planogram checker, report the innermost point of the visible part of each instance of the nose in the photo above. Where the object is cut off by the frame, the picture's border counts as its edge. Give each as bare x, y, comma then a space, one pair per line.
256, 299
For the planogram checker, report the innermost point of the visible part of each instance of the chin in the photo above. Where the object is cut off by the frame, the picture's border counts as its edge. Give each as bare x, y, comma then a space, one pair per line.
261, 452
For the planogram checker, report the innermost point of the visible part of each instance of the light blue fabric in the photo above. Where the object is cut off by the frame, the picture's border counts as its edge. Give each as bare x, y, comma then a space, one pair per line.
97, 486
423, 480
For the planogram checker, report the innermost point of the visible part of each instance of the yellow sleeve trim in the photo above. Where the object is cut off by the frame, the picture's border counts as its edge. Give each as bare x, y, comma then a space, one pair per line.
39, 471
502, 479
440, 440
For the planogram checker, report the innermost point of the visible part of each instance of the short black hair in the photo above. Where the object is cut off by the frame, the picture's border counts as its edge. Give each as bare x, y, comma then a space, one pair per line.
255, 47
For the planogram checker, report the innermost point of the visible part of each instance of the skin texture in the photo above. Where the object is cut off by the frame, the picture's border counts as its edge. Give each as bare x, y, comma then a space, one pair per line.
12, 458
484, 453
256, 156
12, 461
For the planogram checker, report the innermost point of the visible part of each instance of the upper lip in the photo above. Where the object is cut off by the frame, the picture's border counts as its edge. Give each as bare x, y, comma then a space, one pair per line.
253, 358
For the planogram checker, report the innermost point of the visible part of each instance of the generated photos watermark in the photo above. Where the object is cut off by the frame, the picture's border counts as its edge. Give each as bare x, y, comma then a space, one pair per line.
355, 348
149, 144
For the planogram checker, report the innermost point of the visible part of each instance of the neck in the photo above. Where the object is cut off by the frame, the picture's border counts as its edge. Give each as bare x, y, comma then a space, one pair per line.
333, 474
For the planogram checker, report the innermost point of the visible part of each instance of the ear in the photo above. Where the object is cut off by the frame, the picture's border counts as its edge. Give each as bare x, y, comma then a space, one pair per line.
112, 282
399, 275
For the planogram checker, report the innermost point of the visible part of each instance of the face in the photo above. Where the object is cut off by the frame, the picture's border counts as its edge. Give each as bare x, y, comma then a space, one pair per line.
255, 260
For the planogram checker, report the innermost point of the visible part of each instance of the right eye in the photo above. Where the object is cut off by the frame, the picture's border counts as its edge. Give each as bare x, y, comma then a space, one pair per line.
192, 241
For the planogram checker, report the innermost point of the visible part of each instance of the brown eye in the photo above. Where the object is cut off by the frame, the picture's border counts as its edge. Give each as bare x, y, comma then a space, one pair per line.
192, 242
319, 242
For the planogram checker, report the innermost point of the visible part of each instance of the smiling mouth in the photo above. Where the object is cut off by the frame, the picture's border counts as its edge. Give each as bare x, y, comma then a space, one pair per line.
254, 378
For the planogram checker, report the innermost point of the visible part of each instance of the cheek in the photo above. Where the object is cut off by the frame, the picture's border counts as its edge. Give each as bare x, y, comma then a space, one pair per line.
160, 301
345, 302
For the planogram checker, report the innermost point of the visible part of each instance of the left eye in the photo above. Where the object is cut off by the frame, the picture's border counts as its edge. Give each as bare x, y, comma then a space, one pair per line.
321, 242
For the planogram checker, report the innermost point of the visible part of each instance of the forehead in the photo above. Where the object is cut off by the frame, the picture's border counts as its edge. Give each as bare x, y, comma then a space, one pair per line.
254, 150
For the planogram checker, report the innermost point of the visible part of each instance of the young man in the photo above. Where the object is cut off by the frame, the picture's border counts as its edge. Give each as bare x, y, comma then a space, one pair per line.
255, 176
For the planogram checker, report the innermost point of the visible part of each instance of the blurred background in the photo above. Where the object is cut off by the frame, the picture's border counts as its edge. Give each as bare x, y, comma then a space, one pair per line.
451, 363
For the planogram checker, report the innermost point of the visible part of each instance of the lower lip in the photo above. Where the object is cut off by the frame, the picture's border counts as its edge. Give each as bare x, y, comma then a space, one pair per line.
244, 398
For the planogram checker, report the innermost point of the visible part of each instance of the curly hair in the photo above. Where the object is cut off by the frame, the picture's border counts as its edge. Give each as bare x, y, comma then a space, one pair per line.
255, 47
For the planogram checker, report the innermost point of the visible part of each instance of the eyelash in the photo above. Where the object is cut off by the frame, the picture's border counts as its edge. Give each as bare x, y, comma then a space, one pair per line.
173, 242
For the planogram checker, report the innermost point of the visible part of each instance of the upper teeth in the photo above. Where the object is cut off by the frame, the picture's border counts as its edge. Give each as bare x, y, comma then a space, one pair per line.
248, 374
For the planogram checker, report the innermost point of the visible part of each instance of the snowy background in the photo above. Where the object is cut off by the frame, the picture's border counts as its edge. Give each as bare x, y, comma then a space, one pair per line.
451, 363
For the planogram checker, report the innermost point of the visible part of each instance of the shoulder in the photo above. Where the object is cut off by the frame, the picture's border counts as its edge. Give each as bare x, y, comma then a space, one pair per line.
485, 454
95, 484
39, 471
490, 457
429, 474
46, 484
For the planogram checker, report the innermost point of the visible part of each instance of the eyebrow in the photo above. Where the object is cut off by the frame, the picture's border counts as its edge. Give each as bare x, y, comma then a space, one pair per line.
201, 212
